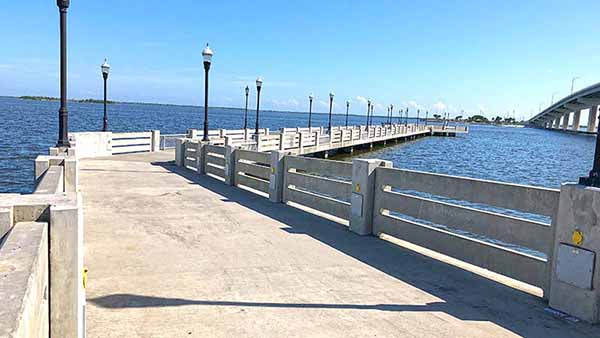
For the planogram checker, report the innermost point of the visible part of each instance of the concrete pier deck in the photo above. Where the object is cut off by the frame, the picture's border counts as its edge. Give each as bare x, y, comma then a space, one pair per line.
175, 254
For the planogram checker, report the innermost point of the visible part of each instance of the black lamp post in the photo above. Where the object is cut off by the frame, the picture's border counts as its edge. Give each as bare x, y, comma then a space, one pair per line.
347, 108
418, 116
391, 113
406, 118
368, 111
63, 114
207, 54
593, 180
387, 117
105, 70
331, 95
426, 116
310, 101
259, 82
372, 108
247, 90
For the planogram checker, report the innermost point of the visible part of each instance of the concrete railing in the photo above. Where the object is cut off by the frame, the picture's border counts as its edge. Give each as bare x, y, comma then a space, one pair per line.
511, 229
97, 144
41, 240
322, 185
465, 232
252, 169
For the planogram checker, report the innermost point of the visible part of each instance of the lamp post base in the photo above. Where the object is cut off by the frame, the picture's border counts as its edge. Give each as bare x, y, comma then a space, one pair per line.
592, 181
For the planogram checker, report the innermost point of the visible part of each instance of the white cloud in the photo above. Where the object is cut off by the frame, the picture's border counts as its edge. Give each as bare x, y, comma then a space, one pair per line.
361, 99
439, 106
413, 104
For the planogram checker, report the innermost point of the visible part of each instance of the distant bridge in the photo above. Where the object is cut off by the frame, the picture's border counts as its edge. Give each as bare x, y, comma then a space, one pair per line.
557, 116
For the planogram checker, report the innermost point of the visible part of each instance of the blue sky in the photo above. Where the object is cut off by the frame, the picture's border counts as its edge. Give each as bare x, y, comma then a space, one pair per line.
434, 55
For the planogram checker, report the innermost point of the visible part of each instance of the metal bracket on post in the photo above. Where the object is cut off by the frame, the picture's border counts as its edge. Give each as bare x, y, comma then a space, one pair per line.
276, 177
363, 194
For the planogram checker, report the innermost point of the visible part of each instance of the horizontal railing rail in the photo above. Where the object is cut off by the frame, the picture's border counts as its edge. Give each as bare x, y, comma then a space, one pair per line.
131, 142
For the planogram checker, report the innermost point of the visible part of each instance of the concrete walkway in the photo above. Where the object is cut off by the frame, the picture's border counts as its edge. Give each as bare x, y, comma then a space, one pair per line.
174, 254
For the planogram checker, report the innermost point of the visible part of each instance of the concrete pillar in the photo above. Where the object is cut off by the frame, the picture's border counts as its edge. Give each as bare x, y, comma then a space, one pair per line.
155, 141
565, 121
557, 123
201, 157
230, 164
71, 174
576, 120
591, 125
179, 151
300, 143
276, 177
192, 133
66, 293
363, 193
575, 270
281, 139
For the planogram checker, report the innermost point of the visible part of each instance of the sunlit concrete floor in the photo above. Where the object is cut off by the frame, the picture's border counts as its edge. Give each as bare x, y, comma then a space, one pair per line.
174, 254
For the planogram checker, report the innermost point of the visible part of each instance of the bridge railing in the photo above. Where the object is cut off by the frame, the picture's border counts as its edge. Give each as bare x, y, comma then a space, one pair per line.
480, 222
506, 228
322, 185
41, 241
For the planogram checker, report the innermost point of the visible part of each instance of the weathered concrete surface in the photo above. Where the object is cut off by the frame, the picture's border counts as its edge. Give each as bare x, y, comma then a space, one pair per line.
24, 281
173, 254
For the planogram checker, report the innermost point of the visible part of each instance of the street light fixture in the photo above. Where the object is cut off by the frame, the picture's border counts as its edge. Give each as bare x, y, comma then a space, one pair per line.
347, 108
105, 70
418, 114
310, 101
552, 100
372, 108
259, 83
406, 119
207, 54
391, 113
63, 114
426, 117
247, 91
331, 95
573, 82
368, 111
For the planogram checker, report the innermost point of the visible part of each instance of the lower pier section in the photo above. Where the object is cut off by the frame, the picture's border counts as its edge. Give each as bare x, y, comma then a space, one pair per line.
172, 253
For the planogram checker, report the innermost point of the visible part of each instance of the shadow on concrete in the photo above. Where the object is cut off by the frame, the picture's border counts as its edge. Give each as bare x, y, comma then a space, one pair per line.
123, 300
464, 295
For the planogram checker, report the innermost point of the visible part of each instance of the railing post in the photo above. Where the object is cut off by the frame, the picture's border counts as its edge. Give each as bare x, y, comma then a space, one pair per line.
317, 139
575, 265
300, 141
66, 293
71, 174
281, 138
201, 157
230, 163
192, 133
363, 194
155, 141
180, 151
276, 177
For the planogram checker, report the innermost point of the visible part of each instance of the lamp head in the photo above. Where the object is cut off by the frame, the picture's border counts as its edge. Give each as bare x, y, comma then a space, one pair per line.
62, 4
207, 54
247, 90
259, 82
311, 96
331, 95
105, 67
